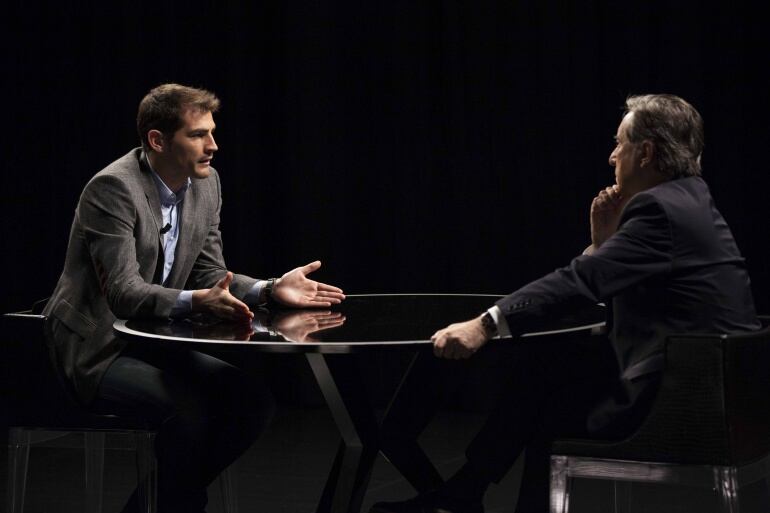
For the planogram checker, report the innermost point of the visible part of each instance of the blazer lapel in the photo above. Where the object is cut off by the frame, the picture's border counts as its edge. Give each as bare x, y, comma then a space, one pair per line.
151, 193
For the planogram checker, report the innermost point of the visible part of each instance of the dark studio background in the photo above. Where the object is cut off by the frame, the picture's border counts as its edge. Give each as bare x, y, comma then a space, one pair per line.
411, 146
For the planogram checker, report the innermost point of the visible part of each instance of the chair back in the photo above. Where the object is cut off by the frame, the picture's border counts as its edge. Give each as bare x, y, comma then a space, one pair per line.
712, 408
38, 397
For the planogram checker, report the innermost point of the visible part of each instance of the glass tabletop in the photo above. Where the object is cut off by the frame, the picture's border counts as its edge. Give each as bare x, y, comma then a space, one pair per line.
365, 320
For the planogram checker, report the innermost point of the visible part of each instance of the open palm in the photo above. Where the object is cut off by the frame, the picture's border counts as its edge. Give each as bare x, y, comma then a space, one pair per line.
295, 289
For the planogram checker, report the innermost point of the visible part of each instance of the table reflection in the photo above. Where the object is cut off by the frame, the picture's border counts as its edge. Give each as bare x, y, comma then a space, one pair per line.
301, 325
297, 326
366, 320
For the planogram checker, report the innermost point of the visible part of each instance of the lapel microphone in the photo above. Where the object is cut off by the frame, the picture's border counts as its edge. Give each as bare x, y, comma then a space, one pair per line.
170, 217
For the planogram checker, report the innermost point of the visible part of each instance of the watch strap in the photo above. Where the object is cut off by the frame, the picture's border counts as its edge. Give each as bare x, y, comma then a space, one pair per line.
489, 324
269, 286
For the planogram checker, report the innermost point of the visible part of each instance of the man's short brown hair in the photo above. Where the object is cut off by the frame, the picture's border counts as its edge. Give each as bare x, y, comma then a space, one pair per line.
163, 107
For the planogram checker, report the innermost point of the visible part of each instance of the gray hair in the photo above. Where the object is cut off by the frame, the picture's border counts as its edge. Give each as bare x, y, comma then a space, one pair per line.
673, 126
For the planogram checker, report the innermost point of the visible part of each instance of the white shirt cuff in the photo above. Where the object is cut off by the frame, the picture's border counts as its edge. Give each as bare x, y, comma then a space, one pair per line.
502, 325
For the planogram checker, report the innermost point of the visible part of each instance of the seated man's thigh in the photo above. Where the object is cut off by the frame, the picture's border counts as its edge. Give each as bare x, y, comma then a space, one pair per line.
157, 383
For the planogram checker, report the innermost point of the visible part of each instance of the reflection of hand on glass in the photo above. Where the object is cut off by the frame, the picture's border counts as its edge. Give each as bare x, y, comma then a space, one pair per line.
298, 325
224, 331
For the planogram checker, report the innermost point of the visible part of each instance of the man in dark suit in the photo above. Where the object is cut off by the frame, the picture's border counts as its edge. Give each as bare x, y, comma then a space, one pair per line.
662, 258
145, 242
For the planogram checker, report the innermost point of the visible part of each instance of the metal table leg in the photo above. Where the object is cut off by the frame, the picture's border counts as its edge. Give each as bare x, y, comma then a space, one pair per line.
342, 387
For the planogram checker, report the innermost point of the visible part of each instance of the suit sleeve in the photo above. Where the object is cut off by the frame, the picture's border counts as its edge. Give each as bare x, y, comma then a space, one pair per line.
107, 215
209, 266
640, 250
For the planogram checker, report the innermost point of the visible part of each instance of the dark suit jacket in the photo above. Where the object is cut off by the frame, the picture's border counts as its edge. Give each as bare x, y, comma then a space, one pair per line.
114, 263
672, 267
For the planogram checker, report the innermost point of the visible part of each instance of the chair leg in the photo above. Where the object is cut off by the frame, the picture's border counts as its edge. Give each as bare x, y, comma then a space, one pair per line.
94, 449
560, 482
146, 472
622, 491
726, 485
228, 484
18, 458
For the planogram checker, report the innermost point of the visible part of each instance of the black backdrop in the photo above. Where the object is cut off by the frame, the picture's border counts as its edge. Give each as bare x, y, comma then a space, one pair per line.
411, 146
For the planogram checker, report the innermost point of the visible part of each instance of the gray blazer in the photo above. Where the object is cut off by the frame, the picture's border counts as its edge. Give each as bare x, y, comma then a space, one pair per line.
114, 265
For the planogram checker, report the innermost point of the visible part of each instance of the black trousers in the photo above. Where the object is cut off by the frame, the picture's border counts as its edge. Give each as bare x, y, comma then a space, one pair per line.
208, 412
548, 387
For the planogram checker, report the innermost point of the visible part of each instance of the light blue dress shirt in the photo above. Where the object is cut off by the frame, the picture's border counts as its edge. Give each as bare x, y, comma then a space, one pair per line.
171, 204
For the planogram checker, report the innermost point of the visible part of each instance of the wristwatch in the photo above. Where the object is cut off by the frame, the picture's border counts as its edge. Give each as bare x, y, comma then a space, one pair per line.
269, 290
489, 325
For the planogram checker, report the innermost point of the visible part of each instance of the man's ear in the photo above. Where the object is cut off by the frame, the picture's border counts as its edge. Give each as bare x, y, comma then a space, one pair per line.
648, 153
156, 140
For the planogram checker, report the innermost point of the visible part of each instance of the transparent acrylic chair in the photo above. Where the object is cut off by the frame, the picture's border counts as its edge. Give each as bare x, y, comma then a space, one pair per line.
709, 426
39, 410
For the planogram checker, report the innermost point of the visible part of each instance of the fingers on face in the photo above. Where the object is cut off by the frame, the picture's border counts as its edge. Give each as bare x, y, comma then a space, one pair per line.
600, 200
613, 193
606, 198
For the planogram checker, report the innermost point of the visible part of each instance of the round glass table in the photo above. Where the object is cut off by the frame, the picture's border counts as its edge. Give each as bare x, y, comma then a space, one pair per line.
365, 322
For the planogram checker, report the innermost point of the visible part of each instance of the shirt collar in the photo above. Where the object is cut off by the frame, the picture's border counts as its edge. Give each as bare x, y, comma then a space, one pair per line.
167, 196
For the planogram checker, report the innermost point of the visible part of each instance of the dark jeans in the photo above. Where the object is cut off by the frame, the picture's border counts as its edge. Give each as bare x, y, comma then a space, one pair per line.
552, 387
208, 412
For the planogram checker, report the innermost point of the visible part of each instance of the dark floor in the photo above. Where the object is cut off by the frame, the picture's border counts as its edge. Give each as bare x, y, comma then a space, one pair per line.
286, 470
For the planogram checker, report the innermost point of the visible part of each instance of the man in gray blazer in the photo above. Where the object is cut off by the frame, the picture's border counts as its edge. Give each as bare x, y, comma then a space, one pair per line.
662, 258
145, 243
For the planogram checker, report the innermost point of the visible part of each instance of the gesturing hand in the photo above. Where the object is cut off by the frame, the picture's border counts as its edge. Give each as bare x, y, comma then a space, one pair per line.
459, 340
219, 302
295, 289
605, 214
